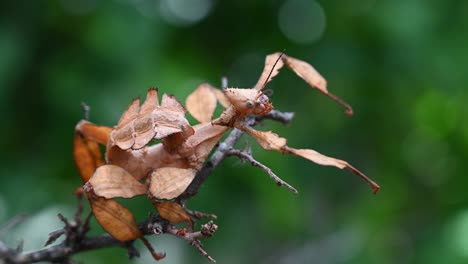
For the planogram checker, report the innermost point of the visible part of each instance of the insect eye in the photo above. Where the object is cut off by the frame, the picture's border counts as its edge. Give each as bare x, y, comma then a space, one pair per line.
250, 104
263, 99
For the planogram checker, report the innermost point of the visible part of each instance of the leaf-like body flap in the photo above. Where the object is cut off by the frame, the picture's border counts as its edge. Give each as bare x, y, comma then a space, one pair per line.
130, 113
267, 139
173, 212
171, 103
202, 142
321, 159
111, 181
168, 182
122, 135
117, 220
201, 103
151, 101
271, 141
143, 124
84, 157
169, 122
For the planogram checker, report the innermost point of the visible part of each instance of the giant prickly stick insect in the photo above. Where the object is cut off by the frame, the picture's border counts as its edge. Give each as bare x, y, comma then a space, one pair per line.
169, 167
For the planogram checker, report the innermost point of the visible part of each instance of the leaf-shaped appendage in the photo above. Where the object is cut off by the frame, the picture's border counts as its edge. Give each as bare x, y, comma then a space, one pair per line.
255, 102
271, 141
115, 219
138, 125
173, 212
170, 167
201, 103
112, 181
168, 183
303, 69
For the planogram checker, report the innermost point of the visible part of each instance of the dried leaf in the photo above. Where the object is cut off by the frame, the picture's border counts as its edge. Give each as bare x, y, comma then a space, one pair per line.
111, 181
85, 160
92, 132
173, 212
168, 183
117, 220
267, 139
95, 152
321, 159
201, 103
270, 61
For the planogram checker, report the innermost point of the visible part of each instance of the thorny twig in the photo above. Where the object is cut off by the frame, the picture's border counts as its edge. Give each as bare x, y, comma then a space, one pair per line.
206, 230
247, 156
224, 147
75, 230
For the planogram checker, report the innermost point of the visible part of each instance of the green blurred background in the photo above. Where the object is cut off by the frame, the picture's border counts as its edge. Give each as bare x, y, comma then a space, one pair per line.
401, 64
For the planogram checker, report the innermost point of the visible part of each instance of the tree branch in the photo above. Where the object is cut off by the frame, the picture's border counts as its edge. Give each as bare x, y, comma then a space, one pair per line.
247, 156
225, 146
219, 155
75, 230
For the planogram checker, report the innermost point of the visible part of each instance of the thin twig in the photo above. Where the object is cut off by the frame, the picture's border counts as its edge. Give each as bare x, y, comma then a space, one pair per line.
66, 249
213, 162
283, 117
254, 162
207, 230
200, 215
12, 223
76, 229
220, 153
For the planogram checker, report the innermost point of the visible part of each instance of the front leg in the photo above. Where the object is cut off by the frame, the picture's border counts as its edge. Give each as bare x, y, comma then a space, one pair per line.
227, 118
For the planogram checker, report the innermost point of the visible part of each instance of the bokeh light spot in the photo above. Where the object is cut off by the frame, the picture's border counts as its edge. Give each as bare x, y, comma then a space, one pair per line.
302, 21
185, 12
459, 234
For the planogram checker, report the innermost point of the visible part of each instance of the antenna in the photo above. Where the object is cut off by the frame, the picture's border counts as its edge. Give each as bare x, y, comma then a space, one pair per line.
279, 57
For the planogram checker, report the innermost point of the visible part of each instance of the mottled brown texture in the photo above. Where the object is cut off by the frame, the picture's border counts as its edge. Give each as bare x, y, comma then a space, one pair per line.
117, 220
110, 181
201, 103
168, 183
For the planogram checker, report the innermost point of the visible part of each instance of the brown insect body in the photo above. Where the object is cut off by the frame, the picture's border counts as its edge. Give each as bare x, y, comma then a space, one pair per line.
170, 166
248, 101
